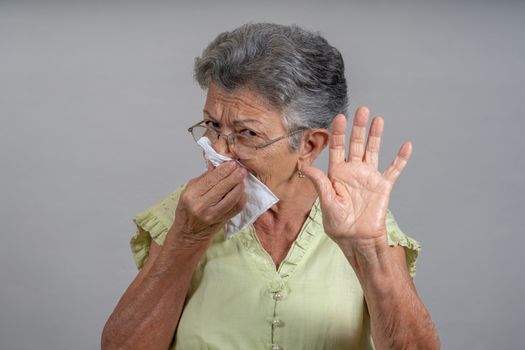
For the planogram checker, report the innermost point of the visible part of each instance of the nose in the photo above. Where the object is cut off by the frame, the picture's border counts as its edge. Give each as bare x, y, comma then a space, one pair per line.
221, 146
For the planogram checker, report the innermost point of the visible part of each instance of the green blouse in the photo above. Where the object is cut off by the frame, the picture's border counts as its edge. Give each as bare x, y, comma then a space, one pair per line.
238, 300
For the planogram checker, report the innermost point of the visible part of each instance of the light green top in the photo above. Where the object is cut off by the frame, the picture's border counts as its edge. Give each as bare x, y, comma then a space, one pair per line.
238, 300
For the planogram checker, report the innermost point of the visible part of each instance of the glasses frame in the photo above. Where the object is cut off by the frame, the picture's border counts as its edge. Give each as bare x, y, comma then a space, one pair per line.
230, 137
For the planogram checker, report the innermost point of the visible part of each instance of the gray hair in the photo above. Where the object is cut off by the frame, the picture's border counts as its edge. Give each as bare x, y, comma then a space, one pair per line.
297, 71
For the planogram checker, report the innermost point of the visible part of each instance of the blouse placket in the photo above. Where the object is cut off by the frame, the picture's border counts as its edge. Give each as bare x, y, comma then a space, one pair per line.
276, 281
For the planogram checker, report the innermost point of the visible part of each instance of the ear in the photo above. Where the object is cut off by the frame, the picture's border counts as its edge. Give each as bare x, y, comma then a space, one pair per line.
313, 142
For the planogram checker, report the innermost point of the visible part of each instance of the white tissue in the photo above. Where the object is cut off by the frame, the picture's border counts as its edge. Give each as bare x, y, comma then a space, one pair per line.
259, 200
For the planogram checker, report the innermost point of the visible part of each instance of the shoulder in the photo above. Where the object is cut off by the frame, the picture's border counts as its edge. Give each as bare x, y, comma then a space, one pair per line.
153, 223
162, 211
396, 237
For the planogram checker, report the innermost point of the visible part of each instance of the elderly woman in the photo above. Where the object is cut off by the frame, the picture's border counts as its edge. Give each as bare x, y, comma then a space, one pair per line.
326, 267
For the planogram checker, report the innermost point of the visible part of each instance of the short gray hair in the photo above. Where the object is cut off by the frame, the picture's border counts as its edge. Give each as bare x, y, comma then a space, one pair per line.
297, 71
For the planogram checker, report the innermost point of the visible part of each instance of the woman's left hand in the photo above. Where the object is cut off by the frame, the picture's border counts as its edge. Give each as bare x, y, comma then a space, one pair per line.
354, 196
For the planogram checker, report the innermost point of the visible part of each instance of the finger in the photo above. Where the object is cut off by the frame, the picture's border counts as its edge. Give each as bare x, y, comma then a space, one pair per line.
225, 185
357, 135
373, 143
211, 178
337, 140
397, 166
230, 199
322, 184
237, 207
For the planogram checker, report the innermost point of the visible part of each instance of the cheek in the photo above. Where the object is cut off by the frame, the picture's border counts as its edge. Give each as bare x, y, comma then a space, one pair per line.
261, 165
272, 166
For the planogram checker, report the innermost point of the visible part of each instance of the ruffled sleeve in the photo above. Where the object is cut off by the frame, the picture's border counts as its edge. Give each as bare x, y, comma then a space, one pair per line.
397, 237
153, 224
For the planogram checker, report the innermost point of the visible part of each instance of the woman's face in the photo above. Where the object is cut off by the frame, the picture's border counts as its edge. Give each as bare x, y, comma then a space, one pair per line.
243, 112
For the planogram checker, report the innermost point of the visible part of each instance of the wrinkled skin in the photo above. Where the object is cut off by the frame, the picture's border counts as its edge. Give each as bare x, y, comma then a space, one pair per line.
209, 201
355, 195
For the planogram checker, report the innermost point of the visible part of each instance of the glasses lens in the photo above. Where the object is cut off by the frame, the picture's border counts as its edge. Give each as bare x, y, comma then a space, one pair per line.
244, 147
199, 131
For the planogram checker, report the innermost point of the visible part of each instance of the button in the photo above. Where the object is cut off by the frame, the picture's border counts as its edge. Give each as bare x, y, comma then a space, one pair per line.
276, 347
277, 323
277, 296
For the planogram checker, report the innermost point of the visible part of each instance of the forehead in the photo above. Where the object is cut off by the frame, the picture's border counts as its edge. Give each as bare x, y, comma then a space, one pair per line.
239, 104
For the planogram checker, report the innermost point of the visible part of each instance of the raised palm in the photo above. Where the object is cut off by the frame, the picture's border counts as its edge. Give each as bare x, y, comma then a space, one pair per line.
354, 195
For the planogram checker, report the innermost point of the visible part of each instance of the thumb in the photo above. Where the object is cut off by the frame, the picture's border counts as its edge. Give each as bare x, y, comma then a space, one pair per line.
322, 184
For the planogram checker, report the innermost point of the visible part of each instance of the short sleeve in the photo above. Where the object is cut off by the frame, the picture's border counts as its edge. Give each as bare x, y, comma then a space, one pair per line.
397, 237
153, 224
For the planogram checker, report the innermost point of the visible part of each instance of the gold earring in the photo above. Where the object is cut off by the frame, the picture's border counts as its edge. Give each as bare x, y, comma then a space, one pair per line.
300, 174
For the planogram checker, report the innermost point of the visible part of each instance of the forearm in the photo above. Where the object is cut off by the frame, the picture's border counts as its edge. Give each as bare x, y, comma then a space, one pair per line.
147, 314
399, 320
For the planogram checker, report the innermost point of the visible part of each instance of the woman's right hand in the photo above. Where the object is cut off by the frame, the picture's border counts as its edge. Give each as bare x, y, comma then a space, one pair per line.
208, 202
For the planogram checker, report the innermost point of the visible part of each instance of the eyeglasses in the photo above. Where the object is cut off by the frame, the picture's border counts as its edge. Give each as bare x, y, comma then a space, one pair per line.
244, 145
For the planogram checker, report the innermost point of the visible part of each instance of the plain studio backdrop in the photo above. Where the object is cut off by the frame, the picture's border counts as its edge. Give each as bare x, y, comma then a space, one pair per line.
96, 97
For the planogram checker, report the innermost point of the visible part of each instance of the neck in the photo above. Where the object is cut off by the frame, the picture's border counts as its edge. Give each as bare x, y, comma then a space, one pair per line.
280, 225
292, 209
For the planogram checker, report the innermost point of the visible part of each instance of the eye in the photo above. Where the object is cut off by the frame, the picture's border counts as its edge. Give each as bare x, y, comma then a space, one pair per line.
248, 133
212, 124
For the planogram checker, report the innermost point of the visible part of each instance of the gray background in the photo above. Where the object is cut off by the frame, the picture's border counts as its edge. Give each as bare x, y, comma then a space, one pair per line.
95, 98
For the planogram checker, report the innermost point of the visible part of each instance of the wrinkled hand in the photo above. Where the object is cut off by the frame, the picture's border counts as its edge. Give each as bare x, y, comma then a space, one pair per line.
209, 201
354, 196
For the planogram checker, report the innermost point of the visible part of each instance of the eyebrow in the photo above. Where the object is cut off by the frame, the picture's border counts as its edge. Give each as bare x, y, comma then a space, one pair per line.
236, 121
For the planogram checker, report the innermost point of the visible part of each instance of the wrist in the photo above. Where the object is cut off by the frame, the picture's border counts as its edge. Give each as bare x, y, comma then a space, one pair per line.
364, 248
184, 246
365, 254
371, 259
